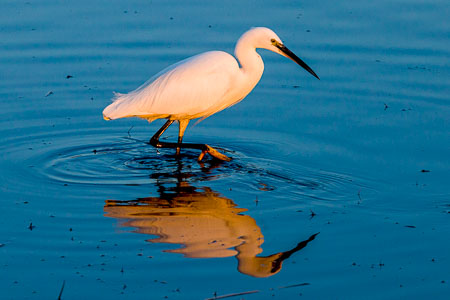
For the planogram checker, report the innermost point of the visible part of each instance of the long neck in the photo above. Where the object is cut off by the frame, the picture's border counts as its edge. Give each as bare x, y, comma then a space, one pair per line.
252, 66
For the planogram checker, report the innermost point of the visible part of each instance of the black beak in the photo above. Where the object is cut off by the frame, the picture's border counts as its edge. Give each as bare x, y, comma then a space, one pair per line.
295, 58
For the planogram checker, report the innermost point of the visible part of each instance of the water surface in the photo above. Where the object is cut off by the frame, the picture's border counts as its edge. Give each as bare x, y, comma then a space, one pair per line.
338, 188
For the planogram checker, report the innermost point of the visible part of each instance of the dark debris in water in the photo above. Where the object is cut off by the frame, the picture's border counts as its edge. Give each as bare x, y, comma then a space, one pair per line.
31, 226
62, 289
49, 93
425, 171
294, 285
232, 295
419, 68
129, 130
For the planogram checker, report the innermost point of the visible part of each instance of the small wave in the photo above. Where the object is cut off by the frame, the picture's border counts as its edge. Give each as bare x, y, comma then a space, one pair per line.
106, 159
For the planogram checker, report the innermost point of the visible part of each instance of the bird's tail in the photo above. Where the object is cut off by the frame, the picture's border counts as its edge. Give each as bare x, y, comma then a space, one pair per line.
115, 110
117, 96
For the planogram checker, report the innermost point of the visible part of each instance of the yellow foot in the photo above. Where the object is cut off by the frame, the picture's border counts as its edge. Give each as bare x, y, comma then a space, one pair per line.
214, 153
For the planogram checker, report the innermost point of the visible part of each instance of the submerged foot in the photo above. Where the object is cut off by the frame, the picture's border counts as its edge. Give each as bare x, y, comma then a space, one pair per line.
214, 153
203, 147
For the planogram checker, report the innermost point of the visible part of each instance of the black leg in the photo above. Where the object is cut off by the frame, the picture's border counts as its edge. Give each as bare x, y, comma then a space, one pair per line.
155, 142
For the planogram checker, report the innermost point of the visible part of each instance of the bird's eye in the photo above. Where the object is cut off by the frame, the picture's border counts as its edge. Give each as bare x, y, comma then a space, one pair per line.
273, 41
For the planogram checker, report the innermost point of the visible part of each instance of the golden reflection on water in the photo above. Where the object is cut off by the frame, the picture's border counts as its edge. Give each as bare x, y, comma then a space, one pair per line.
204, 223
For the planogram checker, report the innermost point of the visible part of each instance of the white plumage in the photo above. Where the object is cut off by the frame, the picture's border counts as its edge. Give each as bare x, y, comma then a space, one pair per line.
189, 89
200, 86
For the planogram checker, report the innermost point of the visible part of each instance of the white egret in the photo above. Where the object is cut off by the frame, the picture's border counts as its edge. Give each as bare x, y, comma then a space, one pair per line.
200, 86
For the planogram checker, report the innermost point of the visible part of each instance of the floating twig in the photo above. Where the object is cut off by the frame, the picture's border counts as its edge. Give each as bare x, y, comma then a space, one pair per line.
129, 130
293, 285
62, 289
233, 295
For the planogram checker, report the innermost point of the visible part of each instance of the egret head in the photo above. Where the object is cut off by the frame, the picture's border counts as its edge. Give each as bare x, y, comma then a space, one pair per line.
262, 37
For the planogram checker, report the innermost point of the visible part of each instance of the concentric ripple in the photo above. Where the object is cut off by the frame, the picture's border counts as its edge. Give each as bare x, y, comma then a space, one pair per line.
94, 157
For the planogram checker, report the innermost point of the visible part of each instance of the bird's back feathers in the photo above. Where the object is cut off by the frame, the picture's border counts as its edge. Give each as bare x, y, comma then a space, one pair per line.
192, 88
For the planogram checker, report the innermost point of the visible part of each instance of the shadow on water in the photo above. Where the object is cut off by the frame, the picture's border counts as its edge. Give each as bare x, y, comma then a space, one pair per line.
204, 223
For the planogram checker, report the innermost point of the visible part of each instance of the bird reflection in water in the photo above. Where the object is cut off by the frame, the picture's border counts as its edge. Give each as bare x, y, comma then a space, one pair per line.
204, 223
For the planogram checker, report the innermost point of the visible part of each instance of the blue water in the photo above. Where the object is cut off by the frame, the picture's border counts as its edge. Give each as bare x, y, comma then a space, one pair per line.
360, 157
